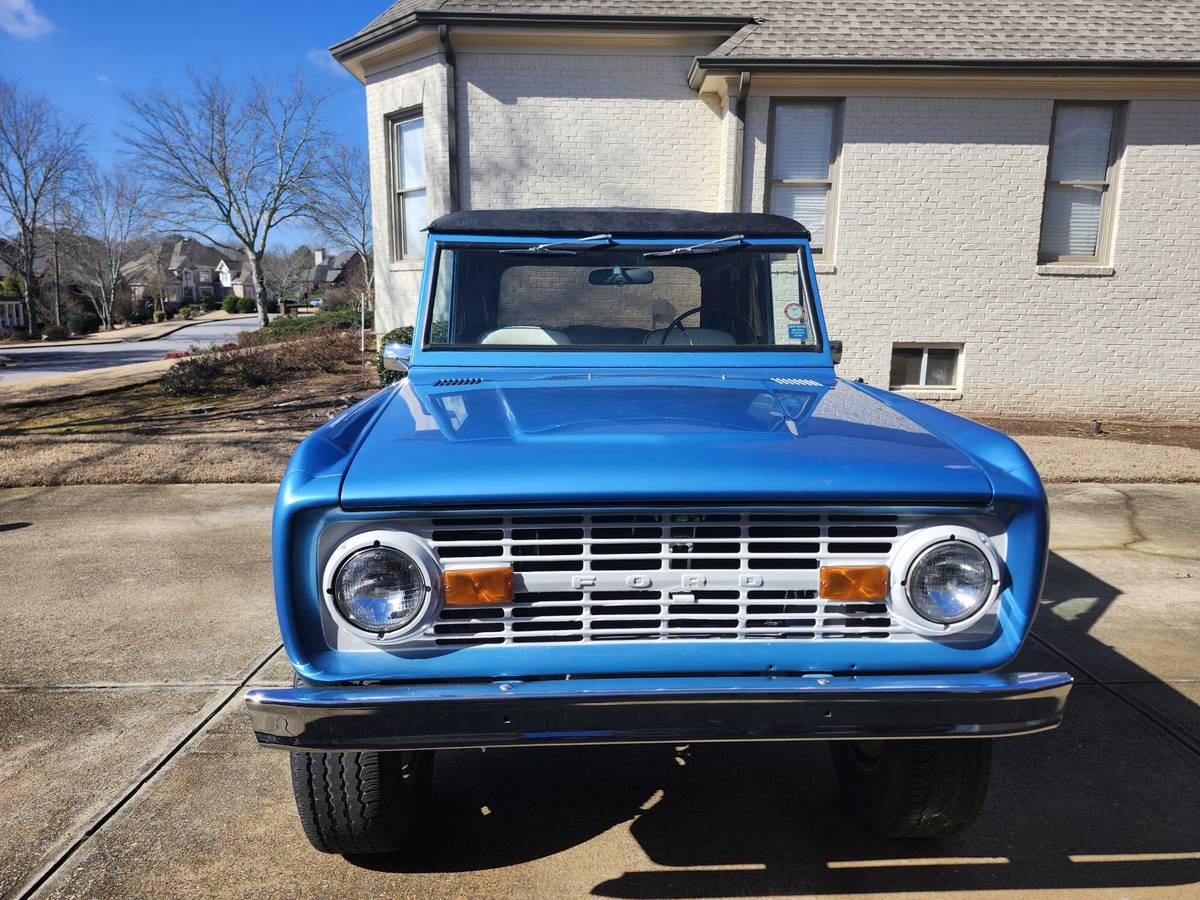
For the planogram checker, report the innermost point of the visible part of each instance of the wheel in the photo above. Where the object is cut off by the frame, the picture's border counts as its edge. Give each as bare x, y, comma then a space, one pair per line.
360, 802
914, 789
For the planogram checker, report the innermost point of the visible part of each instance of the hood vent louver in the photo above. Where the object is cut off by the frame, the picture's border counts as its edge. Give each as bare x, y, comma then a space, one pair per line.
456, 382
797, 382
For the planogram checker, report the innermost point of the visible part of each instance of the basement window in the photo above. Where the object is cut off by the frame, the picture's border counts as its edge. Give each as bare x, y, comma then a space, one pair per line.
926, 366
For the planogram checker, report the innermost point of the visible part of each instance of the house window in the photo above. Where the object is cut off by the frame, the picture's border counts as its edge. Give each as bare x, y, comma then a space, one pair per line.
409, 209
925, 366
205, 276
1077, 210
803, 164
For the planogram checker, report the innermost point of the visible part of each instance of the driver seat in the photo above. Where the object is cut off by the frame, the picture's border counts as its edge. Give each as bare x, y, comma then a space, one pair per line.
692, 337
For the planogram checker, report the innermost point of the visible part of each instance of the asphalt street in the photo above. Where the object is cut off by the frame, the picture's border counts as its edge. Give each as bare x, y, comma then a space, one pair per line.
138, 616
37, 362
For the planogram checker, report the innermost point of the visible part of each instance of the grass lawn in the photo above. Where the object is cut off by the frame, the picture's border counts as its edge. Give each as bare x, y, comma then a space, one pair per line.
142, 436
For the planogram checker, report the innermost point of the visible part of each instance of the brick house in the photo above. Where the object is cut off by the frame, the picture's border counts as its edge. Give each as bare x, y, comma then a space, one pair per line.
184, 270
1003, 202
334, 270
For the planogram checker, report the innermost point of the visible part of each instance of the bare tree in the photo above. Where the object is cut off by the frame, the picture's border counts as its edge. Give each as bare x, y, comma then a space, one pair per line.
284, 271
63, 220
117, 214
159, 280
227, 159
340, 209
39, 154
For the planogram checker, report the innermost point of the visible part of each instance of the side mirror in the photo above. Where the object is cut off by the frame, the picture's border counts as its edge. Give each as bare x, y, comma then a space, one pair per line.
835, 350
396, 357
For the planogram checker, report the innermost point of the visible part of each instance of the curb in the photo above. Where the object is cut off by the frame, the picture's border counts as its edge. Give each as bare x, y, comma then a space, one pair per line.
186, 323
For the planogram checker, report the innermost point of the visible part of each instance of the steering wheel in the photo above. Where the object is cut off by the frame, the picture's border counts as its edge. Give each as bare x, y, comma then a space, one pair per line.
677, 322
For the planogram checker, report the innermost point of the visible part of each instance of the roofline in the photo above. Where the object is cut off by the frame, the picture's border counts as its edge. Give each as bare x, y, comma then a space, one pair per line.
383, 33
859, 65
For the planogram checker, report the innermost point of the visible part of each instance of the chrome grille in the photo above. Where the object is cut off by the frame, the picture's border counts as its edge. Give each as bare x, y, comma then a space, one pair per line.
654, 575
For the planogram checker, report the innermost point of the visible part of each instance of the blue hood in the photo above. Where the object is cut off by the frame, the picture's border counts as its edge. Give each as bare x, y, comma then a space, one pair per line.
511, 437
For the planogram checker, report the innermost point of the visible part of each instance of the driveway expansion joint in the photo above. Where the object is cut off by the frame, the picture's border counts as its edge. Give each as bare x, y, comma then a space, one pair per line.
38, 880
115, 686
1182, 738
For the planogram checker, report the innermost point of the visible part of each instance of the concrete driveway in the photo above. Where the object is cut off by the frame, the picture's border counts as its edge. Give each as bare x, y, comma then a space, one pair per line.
138, 616
38, 362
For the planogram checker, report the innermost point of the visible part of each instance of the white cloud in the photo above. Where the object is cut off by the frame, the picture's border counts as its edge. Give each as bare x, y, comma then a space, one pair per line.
319, 58
20, 19
103, 79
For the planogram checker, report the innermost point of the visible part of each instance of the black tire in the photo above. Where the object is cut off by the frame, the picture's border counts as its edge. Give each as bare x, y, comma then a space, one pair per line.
914, 789
360, 802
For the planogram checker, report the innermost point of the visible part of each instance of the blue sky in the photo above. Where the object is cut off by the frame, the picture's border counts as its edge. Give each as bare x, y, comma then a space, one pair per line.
82, 54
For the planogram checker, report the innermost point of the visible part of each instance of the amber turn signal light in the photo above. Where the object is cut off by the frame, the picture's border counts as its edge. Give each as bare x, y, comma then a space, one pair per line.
854, 583
477, 587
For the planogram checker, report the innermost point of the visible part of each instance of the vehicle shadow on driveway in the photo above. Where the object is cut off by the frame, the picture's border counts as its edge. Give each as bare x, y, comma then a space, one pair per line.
1107, 801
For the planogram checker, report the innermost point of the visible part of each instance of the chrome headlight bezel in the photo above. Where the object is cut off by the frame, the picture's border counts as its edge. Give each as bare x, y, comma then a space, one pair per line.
914, 548
409, 545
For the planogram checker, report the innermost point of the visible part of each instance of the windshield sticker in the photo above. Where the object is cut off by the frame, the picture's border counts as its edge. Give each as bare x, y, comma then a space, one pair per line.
798, 332
794, 312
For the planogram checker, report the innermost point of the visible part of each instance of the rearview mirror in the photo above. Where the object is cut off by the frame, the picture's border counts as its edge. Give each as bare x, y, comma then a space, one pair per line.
835, 350
621, 276
396, 357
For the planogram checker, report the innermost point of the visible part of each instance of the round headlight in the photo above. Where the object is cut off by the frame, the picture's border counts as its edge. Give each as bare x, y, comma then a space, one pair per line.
949, 582
379, 589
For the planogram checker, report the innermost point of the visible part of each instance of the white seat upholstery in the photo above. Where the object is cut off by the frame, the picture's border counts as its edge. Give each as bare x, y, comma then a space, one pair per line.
692, 337
524, 335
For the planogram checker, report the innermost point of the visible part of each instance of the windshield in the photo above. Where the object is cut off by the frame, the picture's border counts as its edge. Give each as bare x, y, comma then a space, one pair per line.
623, 298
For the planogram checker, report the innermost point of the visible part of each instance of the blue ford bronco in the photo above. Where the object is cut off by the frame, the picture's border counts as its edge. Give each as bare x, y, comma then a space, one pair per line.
621, 497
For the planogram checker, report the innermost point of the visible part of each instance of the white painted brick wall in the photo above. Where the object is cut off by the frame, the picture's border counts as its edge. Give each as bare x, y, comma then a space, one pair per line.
938, 221
586, 130
421, 83
938, 217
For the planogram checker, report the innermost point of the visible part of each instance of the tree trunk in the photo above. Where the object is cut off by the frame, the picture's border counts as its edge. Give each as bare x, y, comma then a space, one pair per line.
57, 284
30, 306
254, 259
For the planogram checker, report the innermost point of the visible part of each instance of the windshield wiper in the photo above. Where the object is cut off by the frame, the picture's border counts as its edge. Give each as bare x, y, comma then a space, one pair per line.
558, 248
706, 247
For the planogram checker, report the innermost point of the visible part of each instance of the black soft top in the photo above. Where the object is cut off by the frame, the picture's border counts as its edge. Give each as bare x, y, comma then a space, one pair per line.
582, 221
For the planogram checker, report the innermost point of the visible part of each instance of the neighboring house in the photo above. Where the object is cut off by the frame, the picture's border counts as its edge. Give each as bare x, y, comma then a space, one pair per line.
1003, 197
12, 309
185, 270
340, 270
12, 315
235, 278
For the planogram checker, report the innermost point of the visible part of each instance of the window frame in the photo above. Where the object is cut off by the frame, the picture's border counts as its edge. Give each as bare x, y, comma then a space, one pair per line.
925, 347
825, 253
1104, 230
807, 294
392, 123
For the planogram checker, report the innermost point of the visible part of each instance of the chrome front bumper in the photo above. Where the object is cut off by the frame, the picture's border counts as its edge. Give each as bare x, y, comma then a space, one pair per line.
656, 710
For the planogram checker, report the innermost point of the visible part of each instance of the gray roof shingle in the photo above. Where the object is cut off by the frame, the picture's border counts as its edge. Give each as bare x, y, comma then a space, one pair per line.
1145, 31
